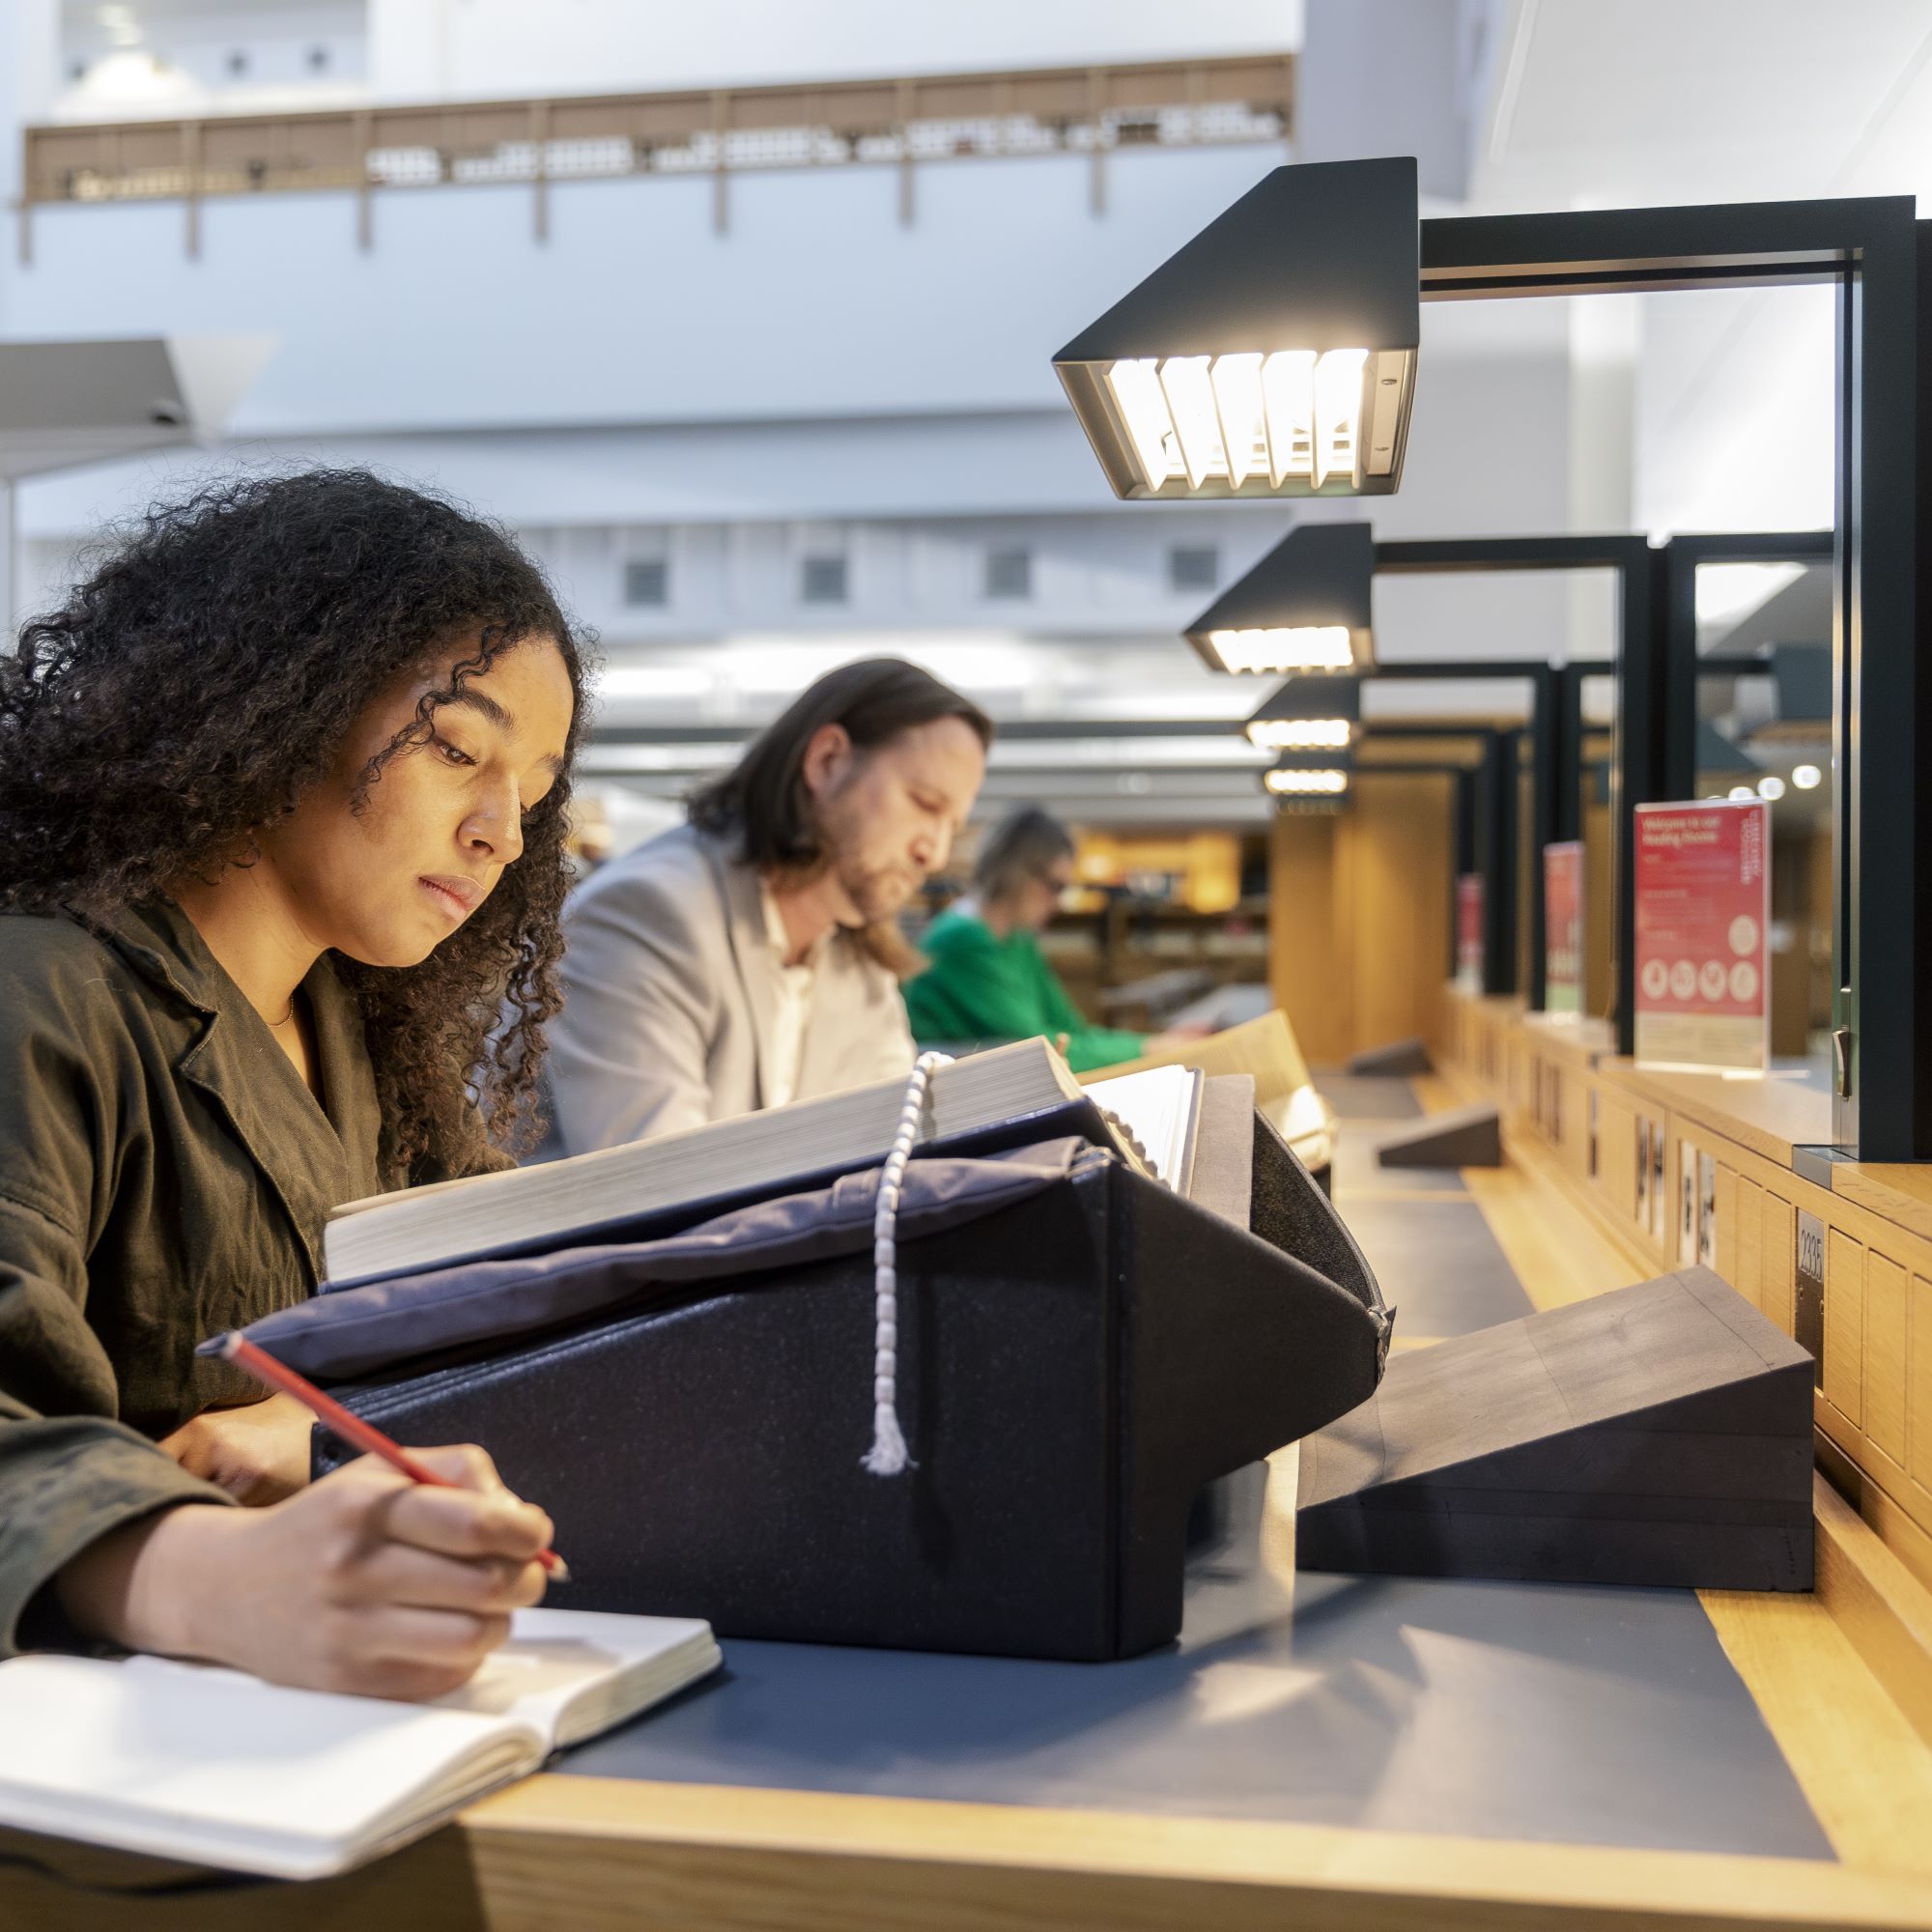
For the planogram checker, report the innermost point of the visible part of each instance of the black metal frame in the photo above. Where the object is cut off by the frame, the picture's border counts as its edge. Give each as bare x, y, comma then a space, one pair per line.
1682, 558
1640, 771
1879, 257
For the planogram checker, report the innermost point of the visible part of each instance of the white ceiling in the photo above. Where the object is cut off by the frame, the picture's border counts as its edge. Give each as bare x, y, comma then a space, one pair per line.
1608, 102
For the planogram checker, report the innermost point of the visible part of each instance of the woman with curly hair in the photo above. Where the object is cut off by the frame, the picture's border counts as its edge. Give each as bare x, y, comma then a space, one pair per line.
282, 809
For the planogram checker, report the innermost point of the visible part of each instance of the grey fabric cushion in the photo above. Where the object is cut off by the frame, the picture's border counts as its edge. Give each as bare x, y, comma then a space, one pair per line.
361, 1331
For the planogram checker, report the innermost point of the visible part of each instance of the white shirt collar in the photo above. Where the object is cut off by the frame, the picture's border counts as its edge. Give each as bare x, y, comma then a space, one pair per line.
780, 939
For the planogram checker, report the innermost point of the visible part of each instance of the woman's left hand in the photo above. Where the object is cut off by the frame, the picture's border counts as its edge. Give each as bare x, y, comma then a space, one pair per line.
258, 1453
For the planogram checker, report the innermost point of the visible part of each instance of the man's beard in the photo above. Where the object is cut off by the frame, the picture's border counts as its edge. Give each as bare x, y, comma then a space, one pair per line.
876, 893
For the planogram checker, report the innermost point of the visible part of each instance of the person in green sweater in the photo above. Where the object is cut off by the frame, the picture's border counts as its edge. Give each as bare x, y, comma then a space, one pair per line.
988, 979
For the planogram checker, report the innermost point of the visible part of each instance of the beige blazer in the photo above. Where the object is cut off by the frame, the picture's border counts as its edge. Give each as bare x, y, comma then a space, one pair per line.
671, 996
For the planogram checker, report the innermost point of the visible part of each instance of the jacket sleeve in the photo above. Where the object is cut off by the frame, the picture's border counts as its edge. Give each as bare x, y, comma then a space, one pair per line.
629, 1051
68, 1472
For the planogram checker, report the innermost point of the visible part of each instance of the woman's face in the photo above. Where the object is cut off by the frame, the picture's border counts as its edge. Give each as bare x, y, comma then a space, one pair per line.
1040, 895
389, 883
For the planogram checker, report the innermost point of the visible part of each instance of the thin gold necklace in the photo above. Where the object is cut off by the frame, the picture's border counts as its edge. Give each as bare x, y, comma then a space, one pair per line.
287, 1016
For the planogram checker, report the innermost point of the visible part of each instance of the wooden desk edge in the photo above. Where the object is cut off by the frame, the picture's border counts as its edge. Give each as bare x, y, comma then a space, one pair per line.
565, 1851
1878, 1602
948, 1862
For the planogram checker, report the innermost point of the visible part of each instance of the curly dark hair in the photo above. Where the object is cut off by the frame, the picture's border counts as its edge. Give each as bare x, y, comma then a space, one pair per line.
205, 674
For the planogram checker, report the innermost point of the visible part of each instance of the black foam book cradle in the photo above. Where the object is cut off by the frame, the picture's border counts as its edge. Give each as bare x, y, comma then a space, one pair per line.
1396, 1058
1466, 1137
1076, 1362
1660, 1434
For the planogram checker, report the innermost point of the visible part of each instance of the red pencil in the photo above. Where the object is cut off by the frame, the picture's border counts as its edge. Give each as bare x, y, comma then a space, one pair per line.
234, 1347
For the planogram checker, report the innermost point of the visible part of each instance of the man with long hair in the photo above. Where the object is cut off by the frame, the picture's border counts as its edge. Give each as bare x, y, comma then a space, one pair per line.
752, 956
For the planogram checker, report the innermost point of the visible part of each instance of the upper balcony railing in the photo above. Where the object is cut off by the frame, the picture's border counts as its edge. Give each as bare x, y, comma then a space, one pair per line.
717, 132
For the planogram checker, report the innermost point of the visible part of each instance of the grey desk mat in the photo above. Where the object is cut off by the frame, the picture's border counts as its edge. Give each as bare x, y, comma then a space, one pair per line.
1438, 1261
1367, 1097
1485, 1710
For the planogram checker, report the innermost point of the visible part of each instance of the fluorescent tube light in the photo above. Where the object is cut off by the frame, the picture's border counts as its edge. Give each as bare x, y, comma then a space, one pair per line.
1286, 648
1323, 781
1300, 734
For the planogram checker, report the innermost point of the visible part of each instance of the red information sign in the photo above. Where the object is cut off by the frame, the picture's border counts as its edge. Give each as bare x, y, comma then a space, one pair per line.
1563, 929
1469, 931
1703, 910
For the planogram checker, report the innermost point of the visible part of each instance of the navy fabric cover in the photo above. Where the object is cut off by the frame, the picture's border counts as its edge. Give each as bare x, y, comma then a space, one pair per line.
361, 1331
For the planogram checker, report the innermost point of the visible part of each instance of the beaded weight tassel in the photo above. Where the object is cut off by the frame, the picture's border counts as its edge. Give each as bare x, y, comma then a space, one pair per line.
888, 1456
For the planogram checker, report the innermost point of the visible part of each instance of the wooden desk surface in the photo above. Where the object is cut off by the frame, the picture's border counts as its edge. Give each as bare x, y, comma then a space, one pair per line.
570, 1851
1900, 1192
1770, 1116
1571, 1036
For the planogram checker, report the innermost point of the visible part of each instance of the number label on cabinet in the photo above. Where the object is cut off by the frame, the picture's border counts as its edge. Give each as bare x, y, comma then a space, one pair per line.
1808, 1323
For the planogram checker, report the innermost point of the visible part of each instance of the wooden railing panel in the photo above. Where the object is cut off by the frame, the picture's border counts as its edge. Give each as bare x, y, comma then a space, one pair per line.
896, 120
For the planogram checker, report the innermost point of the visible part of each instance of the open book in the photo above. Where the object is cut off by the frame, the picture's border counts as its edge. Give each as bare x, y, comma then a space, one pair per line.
1007, 1096
1265, 1049
191, 1761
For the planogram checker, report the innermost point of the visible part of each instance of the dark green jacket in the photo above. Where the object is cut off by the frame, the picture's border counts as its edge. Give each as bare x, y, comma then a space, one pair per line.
163, 1174
979, 987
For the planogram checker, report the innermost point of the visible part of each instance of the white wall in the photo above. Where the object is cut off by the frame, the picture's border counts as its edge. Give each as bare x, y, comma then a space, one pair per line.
423, 49
817, 302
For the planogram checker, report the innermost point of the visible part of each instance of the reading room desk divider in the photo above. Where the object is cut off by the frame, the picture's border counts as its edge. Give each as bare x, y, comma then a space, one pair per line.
1080, 1351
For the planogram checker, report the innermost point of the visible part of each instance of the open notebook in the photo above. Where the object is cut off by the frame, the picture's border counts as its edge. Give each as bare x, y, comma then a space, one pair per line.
191, 1761
1007, 1096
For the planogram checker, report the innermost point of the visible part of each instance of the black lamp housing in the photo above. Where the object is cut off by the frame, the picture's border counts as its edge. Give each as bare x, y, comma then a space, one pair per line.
1305, 607
1273, 355
1308, 714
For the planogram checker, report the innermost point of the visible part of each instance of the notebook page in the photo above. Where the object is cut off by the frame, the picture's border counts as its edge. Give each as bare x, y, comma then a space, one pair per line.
569, 1674
192, 1761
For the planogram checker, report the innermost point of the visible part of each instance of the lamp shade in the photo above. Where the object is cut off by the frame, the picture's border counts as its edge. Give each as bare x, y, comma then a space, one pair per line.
1273, 355
1304, 607
1308, 714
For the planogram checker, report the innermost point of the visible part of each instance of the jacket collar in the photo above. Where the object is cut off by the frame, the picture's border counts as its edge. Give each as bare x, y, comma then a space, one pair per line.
313, 1156
743, 894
